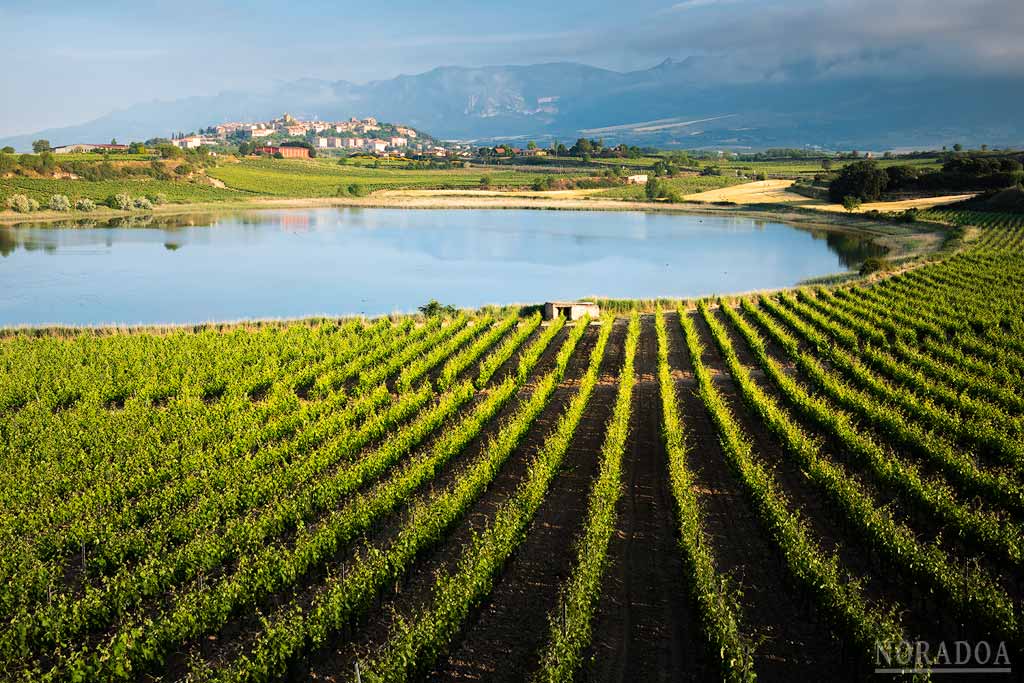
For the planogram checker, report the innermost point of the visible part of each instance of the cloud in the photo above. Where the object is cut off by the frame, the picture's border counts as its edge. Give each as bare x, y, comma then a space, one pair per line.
106, 54
725, 41
837, 37
692, 4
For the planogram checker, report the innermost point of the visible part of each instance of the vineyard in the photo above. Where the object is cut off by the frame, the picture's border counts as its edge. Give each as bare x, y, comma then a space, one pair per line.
326, 178
41, 189
760, 487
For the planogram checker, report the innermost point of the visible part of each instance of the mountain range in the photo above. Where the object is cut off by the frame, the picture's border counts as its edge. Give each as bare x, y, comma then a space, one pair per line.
677, 104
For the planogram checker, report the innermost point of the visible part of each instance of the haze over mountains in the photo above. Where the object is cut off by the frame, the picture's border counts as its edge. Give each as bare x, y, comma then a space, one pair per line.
680, 104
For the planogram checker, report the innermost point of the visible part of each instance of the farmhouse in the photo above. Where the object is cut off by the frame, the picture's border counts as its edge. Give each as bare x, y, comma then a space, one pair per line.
286, 152
188, 142
573, 310
638, 179
69, 149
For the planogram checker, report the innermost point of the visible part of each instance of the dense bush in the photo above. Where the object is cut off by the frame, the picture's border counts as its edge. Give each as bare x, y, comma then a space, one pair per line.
863, 180
901, 177
19, 203
142, 203
8, 163
59, 202
157, 199
120, 201
908, 216
873, 264
85, 204
959, 174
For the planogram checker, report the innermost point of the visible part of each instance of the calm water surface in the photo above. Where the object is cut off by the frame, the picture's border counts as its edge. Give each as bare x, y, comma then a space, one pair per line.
293, 263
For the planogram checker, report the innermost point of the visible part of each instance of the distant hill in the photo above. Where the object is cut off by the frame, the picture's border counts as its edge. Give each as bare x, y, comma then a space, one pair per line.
675, 104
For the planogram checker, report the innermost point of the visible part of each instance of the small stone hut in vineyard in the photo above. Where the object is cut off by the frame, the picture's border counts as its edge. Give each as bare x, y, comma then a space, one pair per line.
573, 310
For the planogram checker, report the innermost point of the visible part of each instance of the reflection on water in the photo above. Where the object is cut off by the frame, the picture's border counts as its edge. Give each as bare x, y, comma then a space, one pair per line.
300, 262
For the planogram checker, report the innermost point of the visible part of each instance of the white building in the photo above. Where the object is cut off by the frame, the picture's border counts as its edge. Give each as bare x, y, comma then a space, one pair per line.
188, 142
257, 132
573, 310
330, 143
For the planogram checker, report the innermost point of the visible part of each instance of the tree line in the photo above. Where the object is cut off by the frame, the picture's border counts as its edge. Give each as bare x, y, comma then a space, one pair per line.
867, 180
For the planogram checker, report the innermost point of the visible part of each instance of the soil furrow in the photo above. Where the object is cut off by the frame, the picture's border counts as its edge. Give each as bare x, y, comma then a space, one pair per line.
789, 634
503, 639
416, 591
645, 628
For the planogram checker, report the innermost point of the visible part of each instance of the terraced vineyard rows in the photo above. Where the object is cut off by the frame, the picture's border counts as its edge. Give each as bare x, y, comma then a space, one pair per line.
769, 487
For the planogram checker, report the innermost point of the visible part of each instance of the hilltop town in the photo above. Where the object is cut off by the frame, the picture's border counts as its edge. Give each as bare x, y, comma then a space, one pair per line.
289, 136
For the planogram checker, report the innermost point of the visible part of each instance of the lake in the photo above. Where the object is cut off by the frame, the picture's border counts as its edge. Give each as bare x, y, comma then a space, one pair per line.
302, 262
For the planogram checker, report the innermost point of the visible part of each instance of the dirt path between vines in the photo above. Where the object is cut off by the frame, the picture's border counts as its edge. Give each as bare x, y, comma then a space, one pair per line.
645, 628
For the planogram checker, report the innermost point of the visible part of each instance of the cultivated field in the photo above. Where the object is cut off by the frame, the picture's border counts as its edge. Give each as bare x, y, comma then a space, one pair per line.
327, 178
41, 189
778, 192
761, 486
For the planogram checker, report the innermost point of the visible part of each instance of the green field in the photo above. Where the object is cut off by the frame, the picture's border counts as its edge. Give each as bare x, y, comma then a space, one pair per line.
177, 191
799, 168
834, 466
112, 156
326, 177
321, 178
684, 185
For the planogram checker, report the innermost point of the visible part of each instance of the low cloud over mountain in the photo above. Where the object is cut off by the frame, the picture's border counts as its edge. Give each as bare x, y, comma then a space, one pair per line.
679, 103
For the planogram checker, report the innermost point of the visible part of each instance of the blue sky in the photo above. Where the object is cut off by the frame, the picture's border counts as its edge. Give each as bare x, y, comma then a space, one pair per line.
67, 62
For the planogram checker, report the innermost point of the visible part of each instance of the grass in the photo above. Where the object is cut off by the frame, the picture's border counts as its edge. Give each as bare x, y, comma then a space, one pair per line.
684, 185
177, 191
321, 178
114, 156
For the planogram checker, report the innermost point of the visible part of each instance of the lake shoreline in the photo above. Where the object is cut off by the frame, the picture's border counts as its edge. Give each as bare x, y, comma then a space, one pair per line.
900, 240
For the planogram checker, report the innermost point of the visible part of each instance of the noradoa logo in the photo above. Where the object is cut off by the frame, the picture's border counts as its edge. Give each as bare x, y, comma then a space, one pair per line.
959, 657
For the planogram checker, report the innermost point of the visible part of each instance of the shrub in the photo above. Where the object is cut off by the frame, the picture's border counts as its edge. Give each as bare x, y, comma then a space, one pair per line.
120, 201
59, 202
157, 199
143, 203
33, 205
434, 308
19, 203
85, 205
851, 203
908, 216
863, 180
357, 190
653, 188
873, 264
